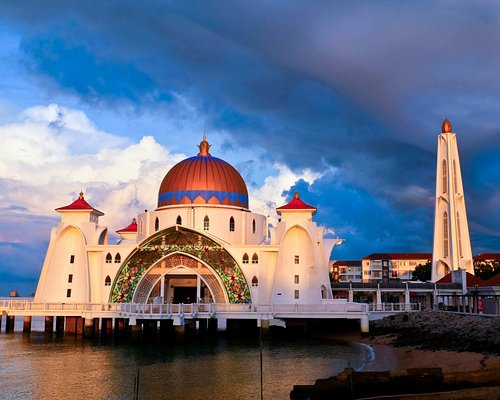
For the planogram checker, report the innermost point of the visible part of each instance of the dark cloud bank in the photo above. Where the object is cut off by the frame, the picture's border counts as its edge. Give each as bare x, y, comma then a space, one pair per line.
357, 88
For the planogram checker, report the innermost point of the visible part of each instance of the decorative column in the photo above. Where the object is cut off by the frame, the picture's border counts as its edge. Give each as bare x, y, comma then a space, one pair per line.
452, 249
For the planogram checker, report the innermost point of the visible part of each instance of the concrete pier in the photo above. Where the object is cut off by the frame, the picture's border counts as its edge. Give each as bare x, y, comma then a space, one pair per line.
106, 327
88, 327
1, 315
74, 325
9, 323
59, 326
49, 325
27, 324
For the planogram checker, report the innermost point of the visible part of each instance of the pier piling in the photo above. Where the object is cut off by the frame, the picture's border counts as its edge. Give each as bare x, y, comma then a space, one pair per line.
27, 324
49, 325
9, 323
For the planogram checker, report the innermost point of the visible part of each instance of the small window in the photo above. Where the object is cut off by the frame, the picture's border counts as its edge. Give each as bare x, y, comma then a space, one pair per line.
296, 279
255, 258
118, 258
295, 294
254, 227
231, 224
296, 259
68, 293
179, 220
157, 224
70, 278
107, 281
255, 281
245, 258
109, 258
71, 259
206, 223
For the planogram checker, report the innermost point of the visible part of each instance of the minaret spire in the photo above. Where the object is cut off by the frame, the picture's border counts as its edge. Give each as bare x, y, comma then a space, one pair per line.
452, 248
204, 147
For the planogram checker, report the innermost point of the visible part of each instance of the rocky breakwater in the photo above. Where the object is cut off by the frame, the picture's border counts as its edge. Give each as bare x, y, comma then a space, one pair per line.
442, 330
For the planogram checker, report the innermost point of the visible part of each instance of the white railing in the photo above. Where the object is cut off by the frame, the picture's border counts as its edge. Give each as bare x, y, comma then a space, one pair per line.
203, 308
393, 307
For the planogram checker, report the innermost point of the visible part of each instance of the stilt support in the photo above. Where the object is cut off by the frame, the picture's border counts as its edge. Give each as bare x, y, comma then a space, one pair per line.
49, 325
27, 324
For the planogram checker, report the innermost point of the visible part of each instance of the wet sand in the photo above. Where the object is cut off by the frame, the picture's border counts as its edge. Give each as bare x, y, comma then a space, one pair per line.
388, 357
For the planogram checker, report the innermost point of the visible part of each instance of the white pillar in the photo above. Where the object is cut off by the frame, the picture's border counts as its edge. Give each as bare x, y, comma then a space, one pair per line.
351, 294
198, 289
407, 298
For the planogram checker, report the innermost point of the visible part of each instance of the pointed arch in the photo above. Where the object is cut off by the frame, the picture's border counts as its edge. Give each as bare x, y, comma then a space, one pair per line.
231, 224
245, 258
178, 221
445, 235
255, 258
255, 281
455, 182
157, 224
109, 258
459, 234
206, 223
118, 258
107, 281
183, 241
444, 188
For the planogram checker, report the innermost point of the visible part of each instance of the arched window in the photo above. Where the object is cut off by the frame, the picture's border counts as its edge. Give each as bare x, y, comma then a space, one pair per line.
245, 258
254, 227
459, 236
109, 258
455, 177
107, 281
445, 234
157, 224
255, 281
445, 178
179, 220
118, 258
206, 223
231, 224
255, 258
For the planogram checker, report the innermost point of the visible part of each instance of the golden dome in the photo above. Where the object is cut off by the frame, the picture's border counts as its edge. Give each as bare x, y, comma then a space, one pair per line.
203, 179
446, 126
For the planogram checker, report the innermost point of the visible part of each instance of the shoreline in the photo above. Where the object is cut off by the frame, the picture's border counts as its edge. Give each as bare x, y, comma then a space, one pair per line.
388, 357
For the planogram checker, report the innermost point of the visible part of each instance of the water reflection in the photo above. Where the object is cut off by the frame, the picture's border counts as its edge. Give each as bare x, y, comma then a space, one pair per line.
38, 367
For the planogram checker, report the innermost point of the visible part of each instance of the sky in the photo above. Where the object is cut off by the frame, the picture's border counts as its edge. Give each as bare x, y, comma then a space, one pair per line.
342, 101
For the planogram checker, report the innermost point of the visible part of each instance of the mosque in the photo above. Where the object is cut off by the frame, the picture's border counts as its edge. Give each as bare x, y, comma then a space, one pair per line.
201, 244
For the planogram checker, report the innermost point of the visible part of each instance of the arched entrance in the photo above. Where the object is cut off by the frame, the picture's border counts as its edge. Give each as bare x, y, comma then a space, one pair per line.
181, 241
180, 278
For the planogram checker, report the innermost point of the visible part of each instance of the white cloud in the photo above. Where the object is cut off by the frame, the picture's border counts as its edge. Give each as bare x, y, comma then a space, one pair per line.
51, 153
264, 199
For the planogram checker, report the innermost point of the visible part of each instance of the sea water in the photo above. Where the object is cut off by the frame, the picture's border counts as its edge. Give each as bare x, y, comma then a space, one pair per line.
36, 366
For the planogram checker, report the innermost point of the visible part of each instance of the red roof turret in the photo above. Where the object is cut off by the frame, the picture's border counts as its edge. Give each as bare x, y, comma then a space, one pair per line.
296, 204
79, 205
129, 229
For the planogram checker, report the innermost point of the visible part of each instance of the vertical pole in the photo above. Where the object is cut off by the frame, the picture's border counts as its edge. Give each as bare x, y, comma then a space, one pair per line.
59, 326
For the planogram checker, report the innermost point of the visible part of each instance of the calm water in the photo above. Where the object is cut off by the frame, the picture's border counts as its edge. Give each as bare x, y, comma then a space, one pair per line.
35, 367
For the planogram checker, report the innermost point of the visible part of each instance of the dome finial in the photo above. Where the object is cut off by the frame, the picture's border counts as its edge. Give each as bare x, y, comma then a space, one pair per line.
204, 147
446, 126
81, 195
296, 194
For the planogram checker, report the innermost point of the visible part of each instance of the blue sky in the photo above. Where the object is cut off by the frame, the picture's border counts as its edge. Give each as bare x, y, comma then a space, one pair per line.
340, 100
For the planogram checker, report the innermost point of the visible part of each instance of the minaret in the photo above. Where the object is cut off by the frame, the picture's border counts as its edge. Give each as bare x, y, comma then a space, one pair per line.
452, 249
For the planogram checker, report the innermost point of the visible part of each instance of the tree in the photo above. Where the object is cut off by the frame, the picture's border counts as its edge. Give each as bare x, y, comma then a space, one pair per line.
485, 269
422, 272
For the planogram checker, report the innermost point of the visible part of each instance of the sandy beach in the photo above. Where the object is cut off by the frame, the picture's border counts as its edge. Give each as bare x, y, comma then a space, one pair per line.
388, 357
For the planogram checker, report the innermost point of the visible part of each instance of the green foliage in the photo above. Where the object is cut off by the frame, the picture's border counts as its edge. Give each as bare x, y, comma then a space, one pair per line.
486, 269
422, 272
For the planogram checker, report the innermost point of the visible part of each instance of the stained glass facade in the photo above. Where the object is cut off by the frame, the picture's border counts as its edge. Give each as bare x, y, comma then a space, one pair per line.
181, 240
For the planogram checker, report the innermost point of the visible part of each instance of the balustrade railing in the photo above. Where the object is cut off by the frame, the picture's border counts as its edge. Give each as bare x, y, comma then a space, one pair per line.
204, 308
